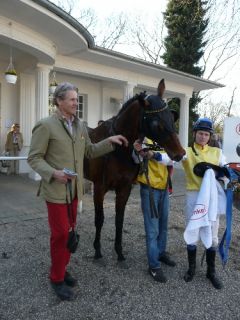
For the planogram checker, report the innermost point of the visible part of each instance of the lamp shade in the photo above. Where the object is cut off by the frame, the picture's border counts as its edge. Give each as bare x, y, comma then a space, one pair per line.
11, 78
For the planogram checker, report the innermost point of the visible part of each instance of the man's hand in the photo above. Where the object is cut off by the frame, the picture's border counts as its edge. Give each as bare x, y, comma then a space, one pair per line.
118, 139
61, 177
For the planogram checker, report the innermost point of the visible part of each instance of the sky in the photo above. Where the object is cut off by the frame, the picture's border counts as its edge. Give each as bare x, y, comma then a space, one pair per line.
105, 8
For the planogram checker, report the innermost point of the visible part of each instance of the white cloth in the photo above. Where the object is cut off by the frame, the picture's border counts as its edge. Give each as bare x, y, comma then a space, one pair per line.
211, 201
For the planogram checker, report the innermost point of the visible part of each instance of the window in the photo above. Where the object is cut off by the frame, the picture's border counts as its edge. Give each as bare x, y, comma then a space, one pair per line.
82, 107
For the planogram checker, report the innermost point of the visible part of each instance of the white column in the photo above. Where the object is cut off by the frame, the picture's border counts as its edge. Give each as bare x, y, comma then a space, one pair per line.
42, 96
184, 119
27, 115
42, 91
128, 91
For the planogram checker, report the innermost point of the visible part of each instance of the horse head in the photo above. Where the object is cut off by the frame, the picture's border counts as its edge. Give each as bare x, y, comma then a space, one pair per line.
158, 123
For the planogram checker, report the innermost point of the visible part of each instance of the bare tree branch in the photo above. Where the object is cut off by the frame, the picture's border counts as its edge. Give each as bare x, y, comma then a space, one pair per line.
67, 5
88, 19
231, 102
149, 39
111, 31
223, 36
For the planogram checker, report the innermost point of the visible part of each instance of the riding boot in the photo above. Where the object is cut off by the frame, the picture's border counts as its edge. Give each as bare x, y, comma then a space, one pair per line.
192, 252
211, 273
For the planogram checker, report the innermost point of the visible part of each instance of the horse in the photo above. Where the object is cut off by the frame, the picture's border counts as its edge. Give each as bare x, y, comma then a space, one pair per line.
140, 116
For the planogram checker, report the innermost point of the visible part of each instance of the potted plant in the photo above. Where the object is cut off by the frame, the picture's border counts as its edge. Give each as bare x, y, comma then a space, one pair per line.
11, 76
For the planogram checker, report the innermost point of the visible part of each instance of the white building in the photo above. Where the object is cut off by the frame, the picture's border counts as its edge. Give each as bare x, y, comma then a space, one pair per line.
43, 38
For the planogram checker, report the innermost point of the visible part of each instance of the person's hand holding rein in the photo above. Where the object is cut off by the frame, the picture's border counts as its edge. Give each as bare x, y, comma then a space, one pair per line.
144, 153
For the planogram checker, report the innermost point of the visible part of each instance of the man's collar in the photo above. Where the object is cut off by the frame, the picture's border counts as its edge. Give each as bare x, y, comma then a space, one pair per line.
62, 117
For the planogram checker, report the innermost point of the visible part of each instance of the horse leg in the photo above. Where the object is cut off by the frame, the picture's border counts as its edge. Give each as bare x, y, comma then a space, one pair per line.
122, 196
99, 219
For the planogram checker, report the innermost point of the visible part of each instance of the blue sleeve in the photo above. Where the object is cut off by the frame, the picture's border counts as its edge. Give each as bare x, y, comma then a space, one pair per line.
157, 156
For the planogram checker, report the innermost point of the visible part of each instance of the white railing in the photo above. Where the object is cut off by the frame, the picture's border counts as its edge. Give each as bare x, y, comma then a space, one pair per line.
6, 158
12, 158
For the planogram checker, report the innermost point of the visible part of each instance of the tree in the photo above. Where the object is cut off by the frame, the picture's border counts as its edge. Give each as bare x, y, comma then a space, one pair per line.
144, 39
147, 38
112, 31
107, 32
222, 53
216, 112
223, 37
186, 24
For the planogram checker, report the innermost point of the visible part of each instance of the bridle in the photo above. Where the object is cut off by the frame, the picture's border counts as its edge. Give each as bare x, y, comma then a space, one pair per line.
145, 114
156, 106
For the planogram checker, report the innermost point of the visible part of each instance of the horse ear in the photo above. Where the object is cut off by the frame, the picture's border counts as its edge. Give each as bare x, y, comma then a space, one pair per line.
161, 88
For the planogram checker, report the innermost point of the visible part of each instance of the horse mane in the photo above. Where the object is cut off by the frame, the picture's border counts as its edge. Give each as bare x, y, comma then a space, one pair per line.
138, 96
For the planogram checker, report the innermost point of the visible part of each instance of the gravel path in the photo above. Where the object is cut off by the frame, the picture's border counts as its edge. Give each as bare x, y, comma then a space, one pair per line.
107, 290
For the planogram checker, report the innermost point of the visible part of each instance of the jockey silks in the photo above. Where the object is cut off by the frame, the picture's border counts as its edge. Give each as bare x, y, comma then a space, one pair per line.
157, 172
205, 154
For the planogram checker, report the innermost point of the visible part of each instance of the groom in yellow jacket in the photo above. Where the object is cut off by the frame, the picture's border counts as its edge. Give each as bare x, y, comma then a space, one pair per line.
154, 194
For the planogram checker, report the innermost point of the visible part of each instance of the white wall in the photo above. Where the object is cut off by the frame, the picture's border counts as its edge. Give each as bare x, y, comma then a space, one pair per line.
109, 109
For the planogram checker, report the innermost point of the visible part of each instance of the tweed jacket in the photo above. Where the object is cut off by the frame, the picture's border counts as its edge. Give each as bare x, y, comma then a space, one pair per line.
9, 146
54, 147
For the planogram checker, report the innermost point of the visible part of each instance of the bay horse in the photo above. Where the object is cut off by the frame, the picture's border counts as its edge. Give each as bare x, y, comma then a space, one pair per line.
140, 116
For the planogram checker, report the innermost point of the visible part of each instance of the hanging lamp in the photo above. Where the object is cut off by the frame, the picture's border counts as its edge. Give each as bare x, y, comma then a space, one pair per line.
53, 83
10, 73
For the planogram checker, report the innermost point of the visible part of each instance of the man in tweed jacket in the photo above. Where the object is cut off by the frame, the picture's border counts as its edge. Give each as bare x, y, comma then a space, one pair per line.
61, 141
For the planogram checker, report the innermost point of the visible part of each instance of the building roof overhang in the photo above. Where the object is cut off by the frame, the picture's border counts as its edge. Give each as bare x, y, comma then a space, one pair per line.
72, 40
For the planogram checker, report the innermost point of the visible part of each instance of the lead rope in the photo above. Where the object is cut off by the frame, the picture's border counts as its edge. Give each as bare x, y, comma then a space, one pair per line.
70, 204
154, 211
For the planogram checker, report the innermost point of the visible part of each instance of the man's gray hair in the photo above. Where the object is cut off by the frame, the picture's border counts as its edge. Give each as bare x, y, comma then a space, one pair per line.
61, 90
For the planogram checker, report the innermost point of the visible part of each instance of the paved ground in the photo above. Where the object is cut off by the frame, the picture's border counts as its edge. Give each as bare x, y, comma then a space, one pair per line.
107, 290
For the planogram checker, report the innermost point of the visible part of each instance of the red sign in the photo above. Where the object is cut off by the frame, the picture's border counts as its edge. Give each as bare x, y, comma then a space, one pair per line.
199, 212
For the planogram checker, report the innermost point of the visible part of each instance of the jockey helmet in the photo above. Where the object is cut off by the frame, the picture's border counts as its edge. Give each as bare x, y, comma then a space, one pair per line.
203, 124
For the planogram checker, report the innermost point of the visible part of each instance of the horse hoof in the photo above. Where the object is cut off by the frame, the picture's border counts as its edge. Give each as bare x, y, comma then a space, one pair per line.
121, 257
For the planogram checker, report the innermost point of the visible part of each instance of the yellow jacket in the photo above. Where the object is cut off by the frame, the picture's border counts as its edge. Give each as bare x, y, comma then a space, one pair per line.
157, 173
205, 154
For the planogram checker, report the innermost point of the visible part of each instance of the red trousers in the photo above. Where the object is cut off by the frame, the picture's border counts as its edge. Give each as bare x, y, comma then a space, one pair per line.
59, 227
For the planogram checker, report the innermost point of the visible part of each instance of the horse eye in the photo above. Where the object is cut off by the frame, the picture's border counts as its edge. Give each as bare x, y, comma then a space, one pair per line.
156, 125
